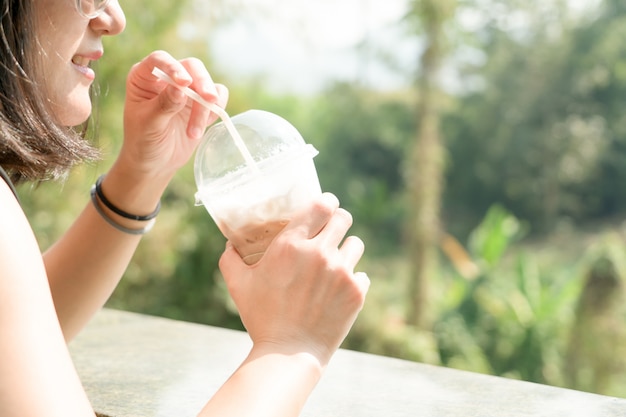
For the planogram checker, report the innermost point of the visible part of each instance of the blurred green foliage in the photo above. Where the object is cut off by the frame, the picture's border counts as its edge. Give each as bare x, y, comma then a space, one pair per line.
533, 255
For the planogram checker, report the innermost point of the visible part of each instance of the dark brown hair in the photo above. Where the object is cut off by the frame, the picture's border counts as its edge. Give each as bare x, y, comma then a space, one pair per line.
33, 145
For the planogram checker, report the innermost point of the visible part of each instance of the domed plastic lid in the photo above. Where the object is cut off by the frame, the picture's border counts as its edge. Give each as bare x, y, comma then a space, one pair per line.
264, 134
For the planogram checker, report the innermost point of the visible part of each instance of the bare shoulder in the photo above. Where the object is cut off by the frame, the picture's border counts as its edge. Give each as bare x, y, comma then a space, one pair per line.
34, 361
17, 240
22, 273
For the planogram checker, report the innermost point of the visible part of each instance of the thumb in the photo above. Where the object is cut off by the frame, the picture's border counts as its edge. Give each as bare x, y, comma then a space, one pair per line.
231, 265
171, 100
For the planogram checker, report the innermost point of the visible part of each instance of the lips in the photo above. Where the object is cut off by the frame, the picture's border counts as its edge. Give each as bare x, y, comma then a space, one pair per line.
82, 61
85, 58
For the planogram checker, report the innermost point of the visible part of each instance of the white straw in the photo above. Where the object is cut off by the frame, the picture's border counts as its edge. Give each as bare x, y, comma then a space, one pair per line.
215, 109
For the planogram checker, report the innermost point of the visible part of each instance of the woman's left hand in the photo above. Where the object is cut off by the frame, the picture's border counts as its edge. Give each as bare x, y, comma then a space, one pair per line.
162, 126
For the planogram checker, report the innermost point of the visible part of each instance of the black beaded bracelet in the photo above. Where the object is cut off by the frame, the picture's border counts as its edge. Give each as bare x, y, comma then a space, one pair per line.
119, 211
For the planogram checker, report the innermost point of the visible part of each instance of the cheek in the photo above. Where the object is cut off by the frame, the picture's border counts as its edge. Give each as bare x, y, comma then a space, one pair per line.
60, 36
67, 90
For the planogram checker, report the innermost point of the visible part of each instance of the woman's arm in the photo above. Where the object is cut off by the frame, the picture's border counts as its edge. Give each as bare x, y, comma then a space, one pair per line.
86, 264
267, 384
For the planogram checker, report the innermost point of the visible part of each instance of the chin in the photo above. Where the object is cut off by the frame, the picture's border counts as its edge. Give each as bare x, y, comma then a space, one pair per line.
71, 105
74, 116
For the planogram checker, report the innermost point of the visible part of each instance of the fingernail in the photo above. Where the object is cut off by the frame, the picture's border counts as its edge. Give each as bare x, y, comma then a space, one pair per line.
210, 90
195, 132
208, 86
181, 76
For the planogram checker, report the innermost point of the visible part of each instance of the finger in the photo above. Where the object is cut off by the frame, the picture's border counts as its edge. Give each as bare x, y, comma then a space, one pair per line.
205, 87
362, 281
168, 64
199, 120
336, 228
231, 264
223, 95
202, 83
311, 220
170, 99
352, 250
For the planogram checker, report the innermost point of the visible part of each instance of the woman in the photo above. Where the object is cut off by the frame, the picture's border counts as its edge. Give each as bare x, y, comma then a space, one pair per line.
297, 303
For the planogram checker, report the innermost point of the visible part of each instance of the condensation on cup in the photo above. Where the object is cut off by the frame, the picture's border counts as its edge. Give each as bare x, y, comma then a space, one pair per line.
252, 202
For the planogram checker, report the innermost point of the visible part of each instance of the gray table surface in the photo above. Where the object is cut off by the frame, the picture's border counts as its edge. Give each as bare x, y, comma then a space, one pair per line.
134, 365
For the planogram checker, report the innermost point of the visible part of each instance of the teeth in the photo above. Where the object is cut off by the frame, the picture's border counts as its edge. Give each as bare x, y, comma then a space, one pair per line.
80, 61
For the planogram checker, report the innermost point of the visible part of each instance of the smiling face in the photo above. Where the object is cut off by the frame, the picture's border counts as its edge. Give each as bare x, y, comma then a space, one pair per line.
70, 43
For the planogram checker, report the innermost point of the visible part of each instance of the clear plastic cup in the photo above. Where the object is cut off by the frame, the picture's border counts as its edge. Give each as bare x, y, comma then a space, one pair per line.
251, 200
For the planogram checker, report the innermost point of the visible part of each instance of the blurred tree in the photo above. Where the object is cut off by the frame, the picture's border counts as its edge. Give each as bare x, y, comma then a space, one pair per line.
538, 126
594, 360
426, 160
361, 136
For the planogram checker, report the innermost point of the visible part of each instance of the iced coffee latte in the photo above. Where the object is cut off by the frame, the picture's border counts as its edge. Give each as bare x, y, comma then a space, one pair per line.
252, 203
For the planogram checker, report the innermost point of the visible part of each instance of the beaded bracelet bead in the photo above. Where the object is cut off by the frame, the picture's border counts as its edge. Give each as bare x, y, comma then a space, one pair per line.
119, 211
110, 221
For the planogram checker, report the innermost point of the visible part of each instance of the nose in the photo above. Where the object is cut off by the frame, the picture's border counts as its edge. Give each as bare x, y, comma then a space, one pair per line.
111, 21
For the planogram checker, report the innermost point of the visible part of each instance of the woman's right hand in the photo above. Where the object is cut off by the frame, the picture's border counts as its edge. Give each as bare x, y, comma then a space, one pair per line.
303, 295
